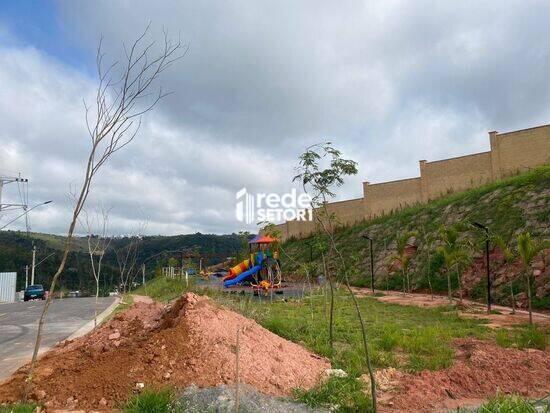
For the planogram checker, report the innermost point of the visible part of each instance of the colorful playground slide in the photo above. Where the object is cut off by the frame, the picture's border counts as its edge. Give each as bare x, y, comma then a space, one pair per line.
237, 269
242, 277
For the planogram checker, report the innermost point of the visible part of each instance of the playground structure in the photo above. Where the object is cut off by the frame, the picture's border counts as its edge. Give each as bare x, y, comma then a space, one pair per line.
262, 269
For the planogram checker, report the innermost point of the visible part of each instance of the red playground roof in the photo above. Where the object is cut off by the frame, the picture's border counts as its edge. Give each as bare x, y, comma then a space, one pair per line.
262, 239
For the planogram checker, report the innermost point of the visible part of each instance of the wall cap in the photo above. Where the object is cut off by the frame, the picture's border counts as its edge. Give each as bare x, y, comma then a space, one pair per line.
523, 130
397, 180
459, 157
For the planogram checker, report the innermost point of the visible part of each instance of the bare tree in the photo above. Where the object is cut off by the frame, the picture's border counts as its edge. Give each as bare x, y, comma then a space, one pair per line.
98, 243
126, 257
121, 100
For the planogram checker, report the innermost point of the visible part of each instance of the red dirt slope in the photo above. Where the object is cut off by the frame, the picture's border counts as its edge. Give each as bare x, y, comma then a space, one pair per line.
480, 370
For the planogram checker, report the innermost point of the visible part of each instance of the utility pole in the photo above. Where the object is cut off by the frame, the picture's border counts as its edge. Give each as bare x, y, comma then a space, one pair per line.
33, 263
8, 180
182, 262
26, 276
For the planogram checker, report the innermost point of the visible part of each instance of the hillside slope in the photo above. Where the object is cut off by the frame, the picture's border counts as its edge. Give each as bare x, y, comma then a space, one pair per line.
520, 203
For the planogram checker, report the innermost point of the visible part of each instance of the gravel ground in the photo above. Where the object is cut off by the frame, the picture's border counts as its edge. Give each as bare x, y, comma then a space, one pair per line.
222, 399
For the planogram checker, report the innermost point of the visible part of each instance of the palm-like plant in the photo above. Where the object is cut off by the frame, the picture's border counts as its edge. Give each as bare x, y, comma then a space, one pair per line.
461, 258
404, 257
428, 240
455, 255
528, 249
509, 258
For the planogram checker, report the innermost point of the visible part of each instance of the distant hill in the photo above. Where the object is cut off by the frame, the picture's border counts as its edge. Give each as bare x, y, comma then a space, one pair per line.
154, 251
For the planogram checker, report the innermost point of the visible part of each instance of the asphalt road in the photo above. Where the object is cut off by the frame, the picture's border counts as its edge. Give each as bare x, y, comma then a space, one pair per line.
19, 322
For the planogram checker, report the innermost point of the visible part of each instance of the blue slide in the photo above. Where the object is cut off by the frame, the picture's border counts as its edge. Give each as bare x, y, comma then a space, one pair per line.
241, 277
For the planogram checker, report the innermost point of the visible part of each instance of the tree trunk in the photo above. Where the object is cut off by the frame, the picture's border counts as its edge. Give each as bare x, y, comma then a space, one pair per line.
96, 299
512, 297
528, 279
459, 284
429, 277
449, 289
365, 347
331, 310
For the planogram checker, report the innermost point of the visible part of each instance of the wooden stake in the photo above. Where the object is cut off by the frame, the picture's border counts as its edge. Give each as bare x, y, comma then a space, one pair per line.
237, 350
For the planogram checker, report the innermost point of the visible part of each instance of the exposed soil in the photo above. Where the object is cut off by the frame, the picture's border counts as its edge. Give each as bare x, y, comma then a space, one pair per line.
193, 341
469, 309
503, 273
480, 370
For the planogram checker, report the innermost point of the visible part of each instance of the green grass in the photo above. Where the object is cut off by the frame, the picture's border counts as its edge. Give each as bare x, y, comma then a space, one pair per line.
150, 401
541, 303
160, 289
165, 289
399, 336
19, 408
405, 337
522, 337
344, 394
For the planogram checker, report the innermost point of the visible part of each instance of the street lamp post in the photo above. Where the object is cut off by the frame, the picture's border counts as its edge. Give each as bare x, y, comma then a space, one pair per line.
310, 245
371, 263
33, 262
486, 229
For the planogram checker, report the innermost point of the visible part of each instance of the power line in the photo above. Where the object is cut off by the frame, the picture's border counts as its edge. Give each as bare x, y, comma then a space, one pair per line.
23, 195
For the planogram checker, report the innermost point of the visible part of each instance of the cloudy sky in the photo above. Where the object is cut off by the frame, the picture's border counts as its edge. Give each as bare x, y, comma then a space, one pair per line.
389, 82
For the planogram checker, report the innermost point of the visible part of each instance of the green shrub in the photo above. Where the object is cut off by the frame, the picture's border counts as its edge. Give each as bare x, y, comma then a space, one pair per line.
522, 337
19, 408
509, 404
165, 289
541, 303
390, 337
343, 394
150, 401
429, 348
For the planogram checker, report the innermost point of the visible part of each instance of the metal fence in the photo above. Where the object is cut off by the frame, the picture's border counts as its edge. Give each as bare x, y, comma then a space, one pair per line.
7, 287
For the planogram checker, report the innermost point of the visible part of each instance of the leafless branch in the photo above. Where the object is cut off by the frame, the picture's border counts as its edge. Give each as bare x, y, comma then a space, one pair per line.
111, 126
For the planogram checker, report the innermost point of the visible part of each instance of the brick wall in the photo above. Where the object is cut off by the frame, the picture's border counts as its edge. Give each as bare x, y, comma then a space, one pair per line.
386, 197
346, 212
518, 151
440, 178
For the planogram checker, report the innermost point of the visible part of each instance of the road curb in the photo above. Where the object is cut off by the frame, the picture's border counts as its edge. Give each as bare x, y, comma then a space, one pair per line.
89, 326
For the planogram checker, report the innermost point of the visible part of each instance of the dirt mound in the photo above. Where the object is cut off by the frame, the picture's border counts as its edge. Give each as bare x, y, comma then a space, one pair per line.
480, 370
193, 341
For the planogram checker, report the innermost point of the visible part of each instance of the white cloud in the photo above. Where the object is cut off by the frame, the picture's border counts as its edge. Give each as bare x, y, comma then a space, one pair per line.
389, 82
